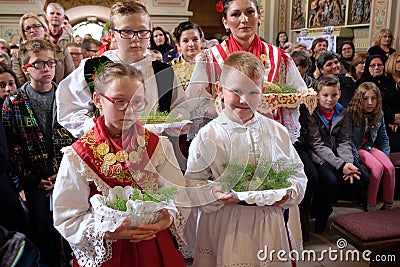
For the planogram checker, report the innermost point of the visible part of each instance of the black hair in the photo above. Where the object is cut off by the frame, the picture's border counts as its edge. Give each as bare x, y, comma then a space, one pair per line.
4, 69
184, 26
324, 57
157, 28
277, 38
352, 47
226, 4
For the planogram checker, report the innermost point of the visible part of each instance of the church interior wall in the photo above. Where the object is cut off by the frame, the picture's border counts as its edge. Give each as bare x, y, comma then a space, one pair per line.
277, 15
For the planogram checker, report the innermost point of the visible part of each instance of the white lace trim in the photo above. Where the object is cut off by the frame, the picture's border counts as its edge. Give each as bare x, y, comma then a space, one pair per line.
177, 230
94, 249
292, 124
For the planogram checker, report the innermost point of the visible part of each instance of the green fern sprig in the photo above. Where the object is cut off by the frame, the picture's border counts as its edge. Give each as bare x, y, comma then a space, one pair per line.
266, 176
92, 76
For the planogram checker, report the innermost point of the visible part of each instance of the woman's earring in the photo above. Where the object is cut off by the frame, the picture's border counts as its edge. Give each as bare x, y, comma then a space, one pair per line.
219, 105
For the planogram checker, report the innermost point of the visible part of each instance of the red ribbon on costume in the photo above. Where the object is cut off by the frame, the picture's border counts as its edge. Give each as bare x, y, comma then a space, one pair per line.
85, 145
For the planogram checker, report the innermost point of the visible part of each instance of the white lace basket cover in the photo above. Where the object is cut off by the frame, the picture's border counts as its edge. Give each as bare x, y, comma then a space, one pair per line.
138, 211
264, 197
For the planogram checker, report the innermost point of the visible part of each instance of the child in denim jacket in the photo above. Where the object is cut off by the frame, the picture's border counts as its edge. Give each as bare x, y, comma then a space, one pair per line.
371, 143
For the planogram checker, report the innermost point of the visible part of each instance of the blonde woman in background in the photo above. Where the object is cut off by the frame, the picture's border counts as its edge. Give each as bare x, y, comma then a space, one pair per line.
391, 100
392, 67
383, 43
33, 27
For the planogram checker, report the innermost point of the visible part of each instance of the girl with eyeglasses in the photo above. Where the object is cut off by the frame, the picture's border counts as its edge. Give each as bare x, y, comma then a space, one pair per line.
33, 27
120, 95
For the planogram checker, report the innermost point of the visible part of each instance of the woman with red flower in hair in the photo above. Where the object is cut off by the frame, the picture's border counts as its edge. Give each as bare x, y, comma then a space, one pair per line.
241, 19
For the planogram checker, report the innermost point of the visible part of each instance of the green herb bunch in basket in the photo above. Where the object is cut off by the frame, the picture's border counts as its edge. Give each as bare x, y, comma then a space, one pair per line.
164, 195
128, 203
250, 177
272, 88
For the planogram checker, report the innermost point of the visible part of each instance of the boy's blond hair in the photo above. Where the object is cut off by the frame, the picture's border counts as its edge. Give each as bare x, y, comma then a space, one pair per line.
35, 46
245, 63
126, 7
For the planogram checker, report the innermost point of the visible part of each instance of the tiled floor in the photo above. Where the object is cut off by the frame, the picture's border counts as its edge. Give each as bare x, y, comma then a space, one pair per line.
329, 239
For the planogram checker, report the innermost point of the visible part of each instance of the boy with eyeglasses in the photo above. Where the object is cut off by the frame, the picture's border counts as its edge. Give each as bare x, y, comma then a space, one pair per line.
130, 27
34, 142
76, 53
90, 47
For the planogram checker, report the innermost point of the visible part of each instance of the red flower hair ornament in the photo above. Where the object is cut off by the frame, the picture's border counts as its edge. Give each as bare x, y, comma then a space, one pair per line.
220, 7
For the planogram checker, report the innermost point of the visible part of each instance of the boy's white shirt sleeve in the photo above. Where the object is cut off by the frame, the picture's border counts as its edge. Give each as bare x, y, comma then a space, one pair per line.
202, 166
75, 103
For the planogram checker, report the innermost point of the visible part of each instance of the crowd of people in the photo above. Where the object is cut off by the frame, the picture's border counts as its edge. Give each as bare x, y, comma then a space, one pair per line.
70, 119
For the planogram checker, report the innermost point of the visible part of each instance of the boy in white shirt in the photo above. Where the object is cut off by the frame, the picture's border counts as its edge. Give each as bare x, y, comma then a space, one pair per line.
240, 135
